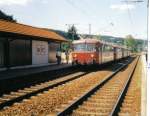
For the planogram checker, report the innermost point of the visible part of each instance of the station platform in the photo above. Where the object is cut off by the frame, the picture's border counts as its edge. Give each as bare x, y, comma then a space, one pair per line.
143, 85
12, 73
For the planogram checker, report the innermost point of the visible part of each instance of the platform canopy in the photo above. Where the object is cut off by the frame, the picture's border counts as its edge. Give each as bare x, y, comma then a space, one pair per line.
26, 30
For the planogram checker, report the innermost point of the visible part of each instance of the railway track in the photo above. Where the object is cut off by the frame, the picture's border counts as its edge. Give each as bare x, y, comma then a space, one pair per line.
131, 105
104, 99
46, 101
8, 99
27, 80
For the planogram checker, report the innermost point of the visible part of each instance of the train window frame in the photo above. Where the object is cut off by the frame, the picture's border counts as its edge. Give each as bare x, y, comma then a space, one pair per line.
107, 48
93, 47
85, 47
77, 46
119, 50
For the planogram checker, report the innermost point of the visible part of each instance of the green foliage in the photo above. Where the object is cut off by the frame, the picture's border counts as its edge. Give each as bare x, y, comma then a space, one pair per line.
6, 17
131, 43
65, 46
72, 33
139, 45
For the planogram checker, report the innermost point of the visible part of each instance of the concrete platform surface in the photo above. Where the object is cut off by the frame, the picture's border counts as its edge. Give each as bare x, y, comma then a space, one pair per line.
11, 73
143, 86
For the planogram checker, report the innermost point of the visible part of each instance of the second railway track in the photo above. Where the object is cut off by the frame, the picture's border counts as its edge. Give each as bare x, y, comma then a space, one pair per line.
102, 99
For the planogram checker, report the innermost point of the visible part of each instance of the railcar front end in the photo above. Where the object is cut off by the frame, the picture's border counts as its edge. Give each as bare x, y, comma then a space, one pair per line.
85, 53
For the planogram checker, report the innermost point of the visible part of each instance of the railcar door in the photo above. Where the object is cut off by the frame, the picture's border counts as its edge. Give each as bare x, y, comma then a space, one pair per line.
97, 53
123, 53
104, 53
100, 53
115, 53
107, 53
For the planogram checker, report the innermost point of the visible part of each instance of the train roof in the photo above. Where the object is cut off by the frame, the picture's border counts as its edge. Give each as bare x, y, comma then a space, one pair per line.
85, 41
26, 30
98, 41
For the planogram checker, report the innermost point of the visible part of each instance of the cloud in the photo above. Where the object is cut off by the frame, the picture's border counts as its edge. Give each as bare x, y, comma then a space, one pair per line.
14, 2
44, 1
122, 7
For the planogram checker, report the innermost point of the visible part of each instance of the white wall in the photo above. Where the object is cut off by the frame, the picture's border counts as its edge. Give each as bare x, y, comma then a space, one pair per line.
39, 52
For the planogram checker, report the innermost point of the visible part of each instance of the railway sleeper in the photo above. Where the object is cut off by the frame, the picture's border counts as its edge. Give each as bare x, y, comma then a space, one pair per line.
105, 93
101, 100
126, 109
126, 105
30, 89
97, 104
95, 109
17, 93
129, 101
103, 97
125, 114
24, 91
4, 99
9, 96
88, 113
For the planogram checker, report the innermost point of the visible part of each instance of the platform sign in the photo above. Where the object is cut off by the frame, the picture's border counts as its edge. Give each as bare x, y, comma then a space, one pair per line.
39, 52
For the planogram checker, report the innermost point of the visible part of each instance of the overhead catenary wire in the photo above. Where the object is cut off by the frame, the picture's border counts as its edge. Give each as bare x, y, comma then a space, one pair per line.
84, 11
87, 13
129, 14
81, 10
110, 23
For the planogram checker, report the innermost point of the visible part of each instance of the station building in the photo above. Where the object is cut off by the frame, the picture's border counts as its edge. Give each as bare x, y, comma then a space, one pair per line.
22, 45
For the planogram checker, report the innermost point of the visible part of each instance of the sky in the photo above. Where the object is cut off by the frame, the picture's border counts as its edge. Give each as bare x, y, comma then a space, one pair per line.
107, 17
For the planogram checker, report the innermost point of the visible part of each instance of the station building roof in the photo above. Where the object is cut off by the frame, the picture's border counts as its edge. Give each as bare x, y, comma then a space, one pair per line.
26, 30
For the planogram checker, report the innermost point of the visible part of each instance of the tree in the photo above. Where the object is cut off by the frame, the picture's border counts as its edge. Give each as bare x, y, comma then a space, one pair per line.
6, 17
65, 46
99, 37
72, 33
130, 42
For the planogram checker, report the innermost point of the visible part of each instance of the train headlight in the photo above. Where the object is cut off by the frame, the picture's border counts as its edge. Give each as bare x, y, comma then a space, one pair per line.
75, 55
92, 55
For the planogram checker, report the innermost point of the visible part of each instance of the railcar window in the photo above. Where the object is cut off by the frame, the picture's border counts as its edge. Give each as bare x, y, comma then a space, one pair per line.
79, 47
107, 48
91, 47
84, 47
119, 50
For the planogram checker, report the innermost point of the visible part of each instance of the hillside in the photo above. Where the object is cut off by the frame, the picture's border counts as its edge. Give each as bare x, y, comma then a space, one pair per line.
141, 44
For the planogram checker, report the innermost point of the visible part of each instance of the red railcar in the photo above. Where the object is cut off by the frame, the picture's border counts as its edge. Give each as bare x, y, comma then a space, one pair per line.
93, 51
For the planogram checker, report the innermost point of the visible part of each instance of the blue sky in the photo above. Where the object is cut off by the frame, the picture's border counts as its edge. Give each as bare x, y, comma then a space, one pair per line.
107, 17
